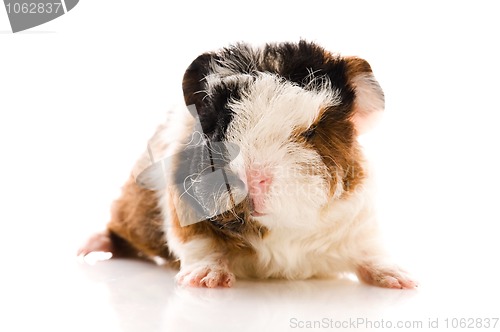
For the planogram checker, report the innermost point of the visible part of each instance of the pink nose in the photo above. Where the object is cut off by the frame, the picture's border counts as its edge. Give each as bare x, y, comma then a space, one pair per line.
259, 181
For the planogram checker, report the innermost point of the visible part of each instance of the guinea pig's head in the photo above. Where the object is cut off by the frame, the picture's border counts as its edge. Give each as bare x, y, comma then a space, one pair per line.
293, 112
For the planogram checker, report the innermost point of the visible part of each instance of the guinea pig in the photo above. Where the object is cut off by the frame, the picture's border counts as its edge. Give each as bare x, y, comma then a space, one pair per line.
262, 175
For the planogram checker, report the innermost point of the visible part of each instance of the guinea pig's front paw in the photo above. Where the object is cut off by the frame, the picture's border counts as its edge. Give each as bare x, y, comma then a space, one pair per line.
387, 277
205, 275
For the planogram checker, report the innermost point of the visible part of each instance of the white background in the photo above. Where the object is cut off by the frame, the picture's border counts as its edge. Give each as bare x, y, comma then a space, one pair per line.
79, 97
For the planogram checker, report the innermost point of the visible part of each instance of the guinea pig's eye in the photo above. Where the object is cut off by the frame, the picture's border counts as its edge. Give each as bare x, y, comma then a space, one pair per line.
309, 133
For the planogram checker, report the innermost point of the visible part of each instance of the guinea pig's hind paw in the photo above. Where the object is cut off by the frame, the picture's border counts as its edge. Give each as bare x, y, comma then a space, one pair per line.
209, 276
100, 242
386, 277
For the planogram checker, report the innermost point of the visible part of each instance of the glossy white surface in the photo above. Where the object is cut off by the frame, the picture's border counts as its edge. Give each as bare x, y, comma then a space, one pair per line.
79, 97
128, 295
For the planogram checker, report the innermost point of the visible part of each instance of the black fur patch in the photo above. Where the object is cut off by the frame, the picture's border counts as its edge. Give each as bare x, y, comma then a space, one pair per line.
296, 62
300, 62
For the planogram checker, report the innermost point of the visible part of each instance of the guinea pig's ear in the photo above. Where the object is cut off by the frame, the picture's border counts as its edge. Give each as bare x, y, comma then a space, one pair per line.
194, 86
193, 83
369, 101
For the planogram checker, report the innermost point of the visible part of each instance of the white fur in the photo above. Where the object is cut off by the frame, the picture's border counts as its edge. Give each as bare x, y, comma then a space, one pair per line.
340, 240
201, 264
264, 121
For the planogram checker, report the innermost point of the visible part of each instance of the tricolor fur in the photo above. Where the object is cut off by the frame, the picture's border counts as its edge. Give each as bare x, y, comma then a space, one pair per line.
295, 111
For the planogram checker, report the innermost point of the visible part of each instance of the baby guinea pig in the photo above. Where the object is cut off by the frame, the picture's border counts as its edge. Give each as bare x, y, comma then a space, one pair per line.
261, 176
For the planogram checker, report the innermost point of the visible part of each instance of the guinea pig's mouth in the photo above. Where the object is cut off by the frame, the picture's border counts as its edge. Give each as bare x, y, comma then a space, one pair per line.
257, 214
253, 211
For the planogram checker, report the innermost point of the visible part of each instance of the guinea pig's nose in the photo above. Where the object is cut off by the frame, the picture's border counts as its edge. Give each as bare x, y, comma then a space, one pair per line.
259, 181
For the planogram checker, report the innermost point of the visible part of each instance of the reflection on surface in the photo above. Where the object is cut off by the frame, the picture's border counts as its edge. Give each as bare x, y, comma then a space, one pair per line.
145, 297
64, 294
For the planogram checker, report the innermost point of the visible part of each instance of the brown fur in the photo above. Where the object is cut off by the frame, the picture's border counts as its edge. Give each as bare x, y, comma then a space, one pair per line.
136, 224
336, 143
335, 137
356, 66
